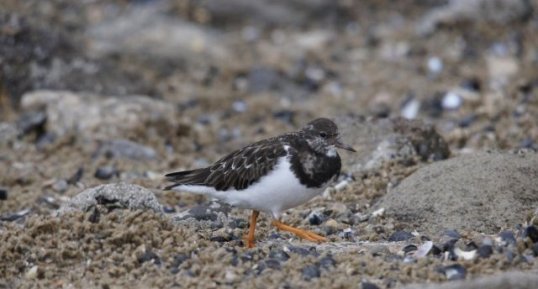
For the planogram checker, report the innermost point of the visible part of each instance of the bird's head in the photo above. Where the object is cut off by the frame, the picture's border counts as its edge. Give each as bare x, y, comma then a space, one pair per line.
321, 135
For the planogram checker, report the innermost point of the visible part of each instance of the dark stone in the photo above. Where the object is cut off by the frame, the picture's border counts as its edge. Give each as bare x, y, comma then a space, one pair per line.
238, 223
279, 255
149, 256
311, 272
532, 233
285, 115
327, 262
32, 122
220, 239
453, 272
315, 219
105, 173
409, 248
472, 84
485, 251
76, 177
3, 194
449, 245
179, 259
508, 237
45, 140
436, 251
203, 213
169, 210
368, 285
15, 216
95, 216
299, 251
452, 234
272, 264
400, 236
467, 120
471, 246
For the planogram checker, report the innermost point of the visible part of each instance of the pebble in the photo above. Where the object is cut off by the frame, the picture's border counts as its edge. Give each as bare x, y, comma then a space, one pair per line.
285, 115
178, 260
327, 262
451, 101
32, 121
435, 65
400, 236
409, 248
219, 239
272, 263
311, 272
316, 218
60, 186
32, 273
410, 108
76, 177
3, 194
105, 172
149, 256
279, 255
424, 249
507, 237
454, 272
239, 106
485, 251
15, 216
95, 216
531, 232
368, 285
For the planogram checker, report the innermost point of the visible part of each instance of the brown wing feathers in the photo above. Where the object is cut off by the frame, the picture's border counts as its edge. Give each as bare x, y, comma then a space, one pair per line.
237, 170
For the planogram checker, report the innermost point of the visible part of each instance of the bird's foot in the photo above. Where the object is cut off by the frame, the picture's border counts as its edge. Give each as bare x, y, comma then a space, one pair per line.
303, 234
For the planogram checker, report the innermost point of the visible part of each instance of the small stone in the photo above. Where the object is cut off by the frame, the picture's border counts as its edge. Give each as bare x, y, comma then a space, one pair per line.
299, 251
203, 213
327, 262
169, 210
531, 232
219, 239
149, 256
237, 223
452, 234
368, 285
60, 186
315, 218
409, 248
239, 106
436, 251
127, 149
451, 101
400, 236
286, 116
95, 216
435, 65
454, 272
485, 251
32, 121
3, 194
15, 216
32, 273
311, 272
279, 255
105, 173
178, 260
410, 108
273, 264
507, 237
75, 178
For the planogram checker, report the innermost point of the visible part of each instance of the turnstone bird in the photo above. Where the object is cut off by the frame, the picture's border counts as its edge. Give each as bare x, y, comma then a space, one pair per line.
271, 175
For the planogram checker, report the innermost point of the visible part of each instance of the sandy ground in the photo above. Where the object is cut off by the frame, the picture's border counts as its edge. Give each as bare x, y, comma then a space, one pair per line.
217, 78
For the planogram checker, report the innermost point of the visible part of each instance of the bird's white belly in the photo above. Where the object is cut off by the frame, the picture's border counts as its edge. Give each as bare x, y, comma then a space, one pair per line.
273, 193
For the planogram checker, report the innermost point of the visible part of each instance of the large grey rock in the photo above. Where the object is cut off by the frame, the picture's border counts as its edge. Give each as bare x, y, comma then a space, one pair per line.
96, 117
512, 280
120, 195
481, 192
389, 140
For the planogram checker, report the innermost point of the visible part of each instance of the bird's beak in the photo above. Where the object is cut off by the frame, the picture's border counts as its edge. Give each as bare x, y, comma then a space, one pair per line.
341, 145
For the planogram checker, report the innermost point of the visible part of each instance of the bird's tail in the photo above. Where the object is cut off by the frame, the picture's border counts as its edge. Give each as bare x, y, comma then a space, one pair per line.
191, 177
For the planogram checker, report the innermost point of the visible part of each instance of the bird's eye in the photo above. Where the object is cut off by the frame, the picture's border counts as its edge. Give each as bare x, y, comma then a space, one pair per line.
323, 134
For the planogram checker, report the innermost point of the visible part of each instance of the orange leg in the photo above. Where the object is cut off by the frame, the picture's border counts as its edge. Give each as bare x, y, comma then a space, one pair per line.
303, 234
250, 237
